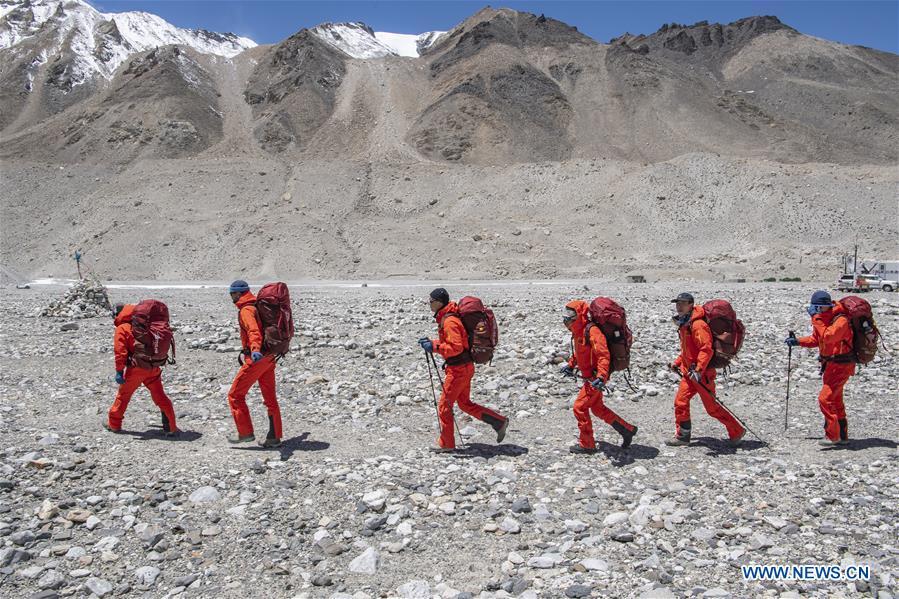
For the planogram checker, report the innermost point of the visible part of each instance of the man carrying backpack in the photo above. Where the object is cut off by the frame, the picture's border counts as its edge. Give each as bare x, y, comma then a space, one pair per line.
592, 357
453, 345
130, 377
696, 375
254, 366
833, 337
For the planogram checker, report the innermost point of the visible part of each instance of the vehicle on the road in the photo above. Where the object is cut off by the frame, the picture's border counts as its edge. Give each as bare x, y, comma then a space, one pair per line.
887, 270
863, 282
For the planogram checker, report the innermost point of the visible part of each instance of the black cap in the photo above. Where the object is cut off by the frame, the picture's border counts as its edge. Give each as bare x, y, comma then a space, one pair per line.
683, 297
440, 294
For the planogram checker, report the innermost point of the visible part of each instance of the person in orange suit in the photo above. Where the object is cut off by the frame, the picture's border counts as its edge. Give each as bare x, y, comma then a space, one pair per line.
131, 377
591, 356
452, 345
696, 376
254, 366
833, 338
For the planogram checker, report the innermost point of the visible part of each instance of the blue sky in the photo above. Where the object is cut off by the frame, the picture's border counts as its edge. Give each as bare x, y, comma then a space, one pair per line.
868, 23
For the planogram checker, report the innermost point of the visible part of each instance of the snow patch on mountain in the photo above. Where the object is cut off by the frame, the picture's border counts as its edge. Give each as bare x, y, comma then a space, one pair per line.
406, 44
100, 42
358, 40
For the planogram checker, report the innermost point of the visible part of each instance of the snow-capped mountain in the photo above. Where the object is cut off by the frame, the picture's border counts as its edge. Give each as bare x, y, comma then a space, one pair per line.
408, 44
358, 40
98, 42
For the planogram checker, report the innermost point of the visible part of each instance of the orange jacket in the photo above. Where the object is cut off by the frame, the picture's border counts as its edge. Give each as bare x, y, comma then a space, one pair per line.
695, 343
453, 339
248, 319
831, 335
123, 340
593, 358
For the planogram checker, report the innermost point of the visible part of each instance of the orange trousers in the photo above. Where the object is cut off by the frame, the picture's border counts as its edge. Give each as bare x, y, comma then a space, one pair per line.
590, 400
457, 389
151, 378
830, 399
688, 389
262, 371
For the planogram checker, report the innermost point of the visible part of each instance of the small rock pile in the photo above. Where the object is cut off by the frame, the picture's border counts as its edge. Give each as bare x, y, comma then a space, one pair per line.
86, 299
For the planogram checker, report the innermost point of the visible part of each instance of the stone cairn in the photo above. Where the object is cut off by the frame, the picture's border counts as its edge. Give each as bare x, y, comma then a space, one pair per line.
86, 299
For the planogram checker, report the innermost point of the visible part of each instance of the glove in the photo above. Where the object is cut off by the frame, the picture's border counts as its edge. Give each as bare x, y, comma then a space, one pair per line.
426, 344
567, 370
674, 368
694, 376
598, 384
791, 341
120, 377
256, 356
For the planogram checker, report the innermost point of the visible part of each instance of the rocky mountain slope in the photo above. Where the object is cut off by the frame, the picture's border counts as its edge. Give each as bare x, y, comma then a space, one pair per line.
505, 138
57, 53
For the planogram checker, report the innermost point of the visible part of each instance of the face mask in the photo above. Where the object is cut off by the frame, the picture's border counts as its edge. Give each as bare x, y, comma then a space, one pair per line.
681, 320
817, 309
569, 316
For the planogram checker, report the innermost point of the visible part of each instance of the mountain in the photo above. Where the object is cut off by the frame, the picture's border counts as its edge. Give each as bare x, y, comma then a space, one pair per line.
358, 40
56, 53
511, 145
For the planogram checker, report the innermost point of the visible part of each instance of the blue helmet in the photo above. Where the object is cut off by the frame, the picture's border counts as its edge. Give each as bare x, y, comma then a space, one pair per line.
239, 286
821, 298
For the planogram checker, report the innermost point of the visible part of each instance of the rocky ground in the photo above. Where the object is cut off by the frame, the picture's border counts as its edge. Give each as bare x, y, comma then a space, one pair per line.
354, 506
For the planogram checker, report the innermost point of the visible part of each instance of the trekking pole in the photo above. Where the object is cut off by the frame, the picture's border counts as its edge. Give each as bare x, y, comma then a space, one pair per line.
440, 379
726, 409
789, 372
433, 394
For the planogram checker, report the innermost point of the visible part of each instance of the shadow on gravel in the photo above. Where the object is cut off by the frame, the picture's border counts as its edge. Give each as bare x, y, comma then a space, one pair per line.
624, 457
289, 446
483, 450
718, 447
860, 444
157, 434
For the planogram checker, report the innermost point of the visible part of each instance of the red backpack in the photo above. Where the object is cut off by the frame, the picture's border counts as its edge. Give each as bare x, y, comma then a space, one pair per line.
275, 318
480, 324
865, 333
152, 335
727, 332
612, 322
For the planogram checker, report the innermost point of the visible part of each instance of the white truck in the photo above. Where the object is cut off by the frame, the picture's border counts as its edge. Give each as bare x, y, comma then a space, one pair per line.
887, 271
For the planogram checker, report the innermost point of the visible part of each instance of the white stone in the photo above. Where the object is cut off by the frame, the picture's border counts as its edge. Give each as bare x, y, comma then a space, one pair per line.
592, 564
615, 518
366, 563
146, 575
414, 589
98, 586
205, 495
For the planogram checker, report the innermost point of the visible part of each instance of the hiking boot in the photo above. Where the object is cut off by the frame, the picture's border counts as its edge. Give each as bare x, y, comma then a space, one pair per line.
172, 434
627, 435
677, 441
270, 442
501, 431
826, 442
738, 440
107, 426
844, 431
580, 449
234, 440
498, 424
438, 449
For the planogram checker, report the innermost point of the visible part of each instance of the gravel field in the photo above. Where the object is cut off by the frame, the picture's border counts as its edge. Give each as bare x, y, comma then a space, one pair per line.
353, 504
